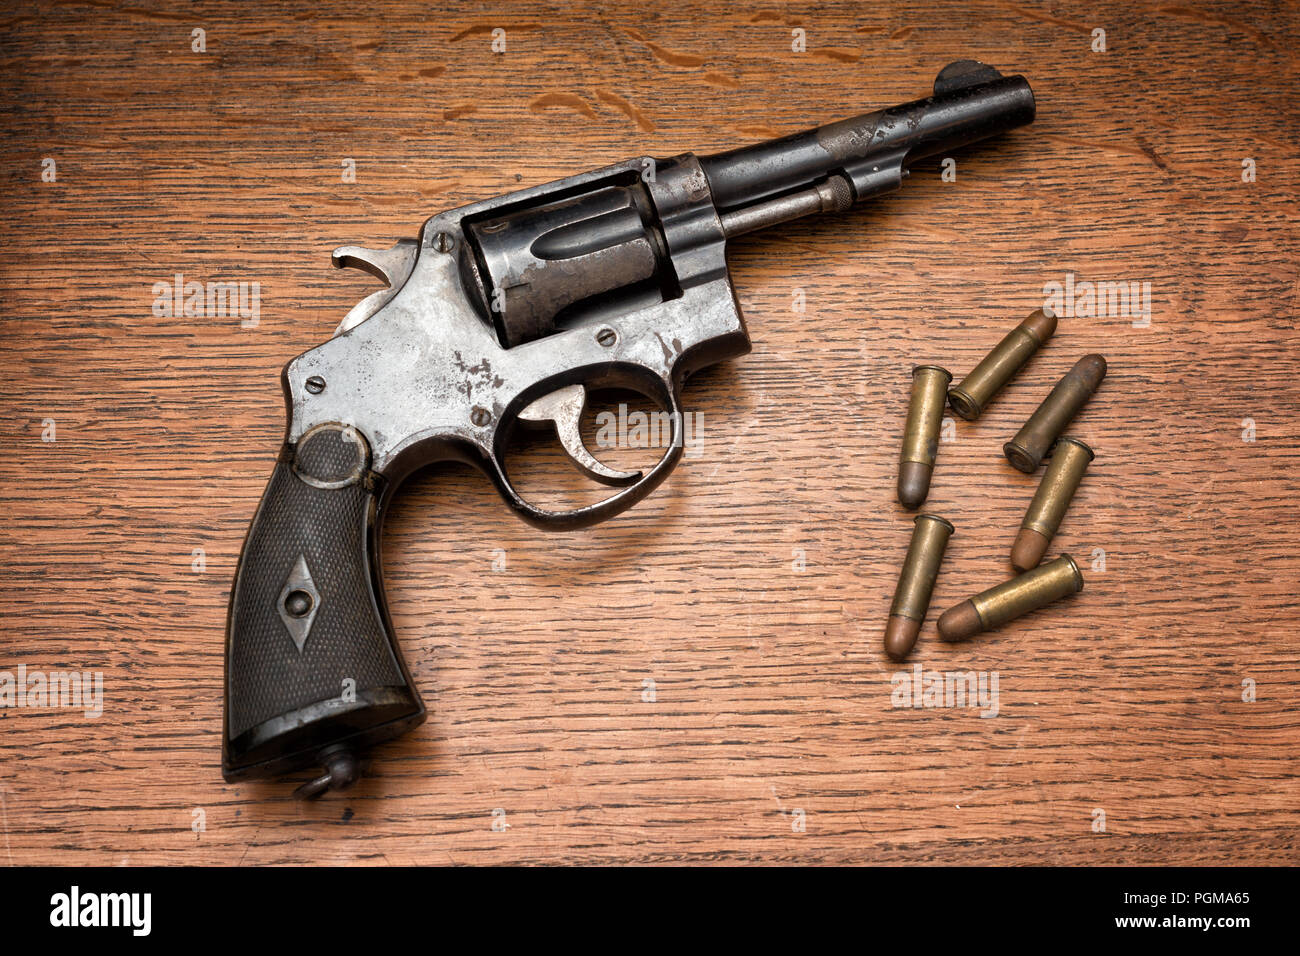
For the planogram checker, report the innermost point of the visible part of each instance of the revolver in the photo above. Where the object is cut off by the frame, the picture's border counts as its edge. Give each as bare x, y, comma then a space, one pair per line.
502, 314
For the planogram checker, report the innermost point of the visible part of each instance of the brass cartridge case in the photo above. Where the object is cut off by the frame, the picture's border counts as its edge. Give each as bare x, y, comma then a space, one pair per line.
1010, 599
921, 434
971, 397
930, 535
1070, 460
1035, 438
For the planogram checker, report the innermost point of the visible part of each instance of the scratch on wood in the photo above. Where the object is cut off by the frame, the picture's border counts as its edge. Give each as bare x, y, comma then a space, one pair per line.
1046, 18
1189, 13
548, 101
431, 191
1151, 153
627, 109
669, 56
481, 29
838, 56
1100, 145
758, 132
129, 11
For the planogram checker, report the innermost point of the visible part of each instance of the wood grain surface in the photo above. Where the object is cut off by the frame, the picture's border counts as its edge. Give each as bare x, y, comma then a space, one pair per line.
701, 679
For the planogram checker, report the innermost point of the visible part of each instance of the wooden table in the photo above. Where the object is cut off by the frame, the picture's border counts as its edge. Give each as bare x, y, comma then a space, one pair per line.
701, 679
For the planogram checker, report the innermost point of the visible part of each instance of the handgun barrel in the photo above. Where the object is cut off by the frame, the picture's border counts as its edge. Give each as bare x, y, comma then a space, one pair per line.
971, 102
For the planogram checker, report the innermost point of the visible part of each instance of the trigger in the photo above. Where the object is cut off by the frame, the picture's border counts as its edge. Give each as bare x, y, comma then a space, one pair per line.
391, 266
564, 408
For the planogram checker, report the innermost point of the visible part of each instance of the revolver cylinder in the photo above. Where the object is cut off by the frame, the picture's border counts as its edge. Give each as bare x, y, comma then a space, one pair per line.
529, 267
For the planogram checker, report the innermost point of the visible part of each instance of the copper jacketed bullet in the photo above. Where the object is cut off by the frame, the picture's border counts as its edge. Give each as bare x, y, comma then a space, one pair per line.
971, 397
1034, 440
921, 434
1010, 599
930, 535
1069, 461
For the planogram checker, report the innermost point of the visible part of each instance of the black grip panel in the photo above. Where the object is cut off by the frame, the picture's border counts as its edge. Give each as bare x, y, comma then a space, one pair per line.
310, 659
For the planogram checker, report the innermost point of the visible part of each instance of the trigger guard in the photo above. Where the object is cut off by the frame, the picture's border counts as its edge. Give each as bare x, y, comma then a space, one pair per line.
574, 518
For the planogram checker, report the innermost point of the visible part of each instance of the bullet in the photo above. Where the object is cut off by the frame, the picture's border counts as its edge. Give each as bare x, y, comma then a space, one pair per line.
1070, 459
921, 434
971, 397
1010, 599
930, 535
1034, 440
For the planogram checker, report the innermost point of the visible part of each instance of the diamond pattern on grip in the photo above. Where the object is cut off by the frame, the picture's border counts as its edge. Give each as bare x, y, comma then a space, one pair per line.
267, 675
